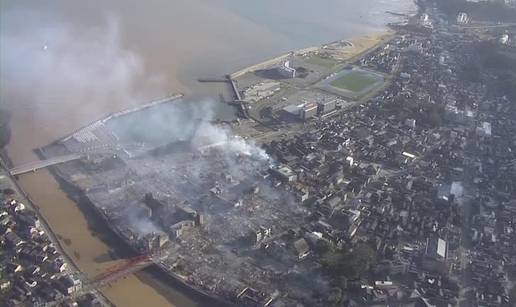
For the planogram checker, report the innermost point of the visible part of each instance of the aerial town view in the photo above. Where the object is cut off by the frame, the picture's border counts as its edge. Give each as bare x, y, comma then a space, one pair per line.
373, 170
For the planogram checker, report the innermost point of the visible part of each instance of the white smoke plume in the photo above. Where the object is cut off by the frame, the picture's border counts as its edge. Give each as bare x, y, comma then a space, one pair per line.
61, 73
58, 71
209, 135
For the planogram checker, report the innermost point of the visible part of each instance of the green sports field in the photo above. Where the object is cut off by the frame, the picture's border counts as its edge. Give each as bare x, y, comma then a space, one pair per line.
355, 81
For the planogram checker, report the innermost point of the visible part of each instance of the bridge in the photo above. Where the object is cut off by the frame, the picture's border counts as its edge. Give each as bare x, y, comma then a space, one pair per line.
118, 271
36, 165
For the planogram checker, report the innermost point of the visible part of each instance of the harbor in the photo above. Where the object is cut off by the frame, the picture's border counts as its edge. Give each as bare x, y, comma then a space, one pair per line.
85, 239
106, 128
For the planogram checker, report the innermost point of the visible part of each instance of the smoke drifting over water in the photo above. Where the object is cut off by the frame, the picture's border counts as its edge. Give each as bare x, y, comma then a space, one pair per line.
77, 73
64, 63
184, 147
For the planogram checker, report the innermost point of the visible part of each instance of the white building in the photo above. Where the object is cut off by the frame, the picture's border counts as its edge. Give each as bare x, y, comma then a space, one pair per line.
462, 18
457, 189
484, 130
411, 123
442, 249
286, 71
504, 39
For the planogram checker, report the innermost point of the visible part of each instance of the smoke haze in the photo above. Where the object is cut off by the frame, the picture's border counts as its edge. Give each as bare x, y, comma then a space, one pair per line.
57, 75
50, 64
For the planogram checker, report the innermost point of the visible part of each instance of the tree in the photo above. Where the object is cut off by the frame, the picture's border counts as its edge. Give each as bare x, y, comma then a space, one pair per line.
350, 264
335, 296
322, 247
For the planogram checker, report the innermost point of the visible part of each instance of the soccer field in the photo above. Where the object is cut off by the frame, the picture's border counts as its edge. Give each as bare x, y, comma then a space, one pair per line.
355, 81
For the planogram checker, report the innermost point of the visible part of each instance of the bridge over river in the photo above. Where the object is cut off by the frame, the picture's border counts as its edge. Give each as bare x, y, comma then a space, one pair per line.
36, 165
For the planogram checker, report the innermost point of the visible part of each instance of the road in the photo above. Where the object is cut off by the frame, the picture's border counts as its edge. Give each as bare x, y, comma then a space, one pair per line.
34, 166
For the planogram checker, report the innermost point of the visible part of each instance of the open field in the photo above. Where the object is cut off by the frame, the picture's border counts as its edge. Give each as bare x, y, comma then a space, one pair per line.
358, 46
354, 81
316, 59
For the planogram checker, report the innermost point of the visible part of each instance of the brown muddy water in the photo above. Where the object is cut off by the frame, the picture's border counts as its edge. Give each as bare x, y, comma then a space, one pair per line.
64, 64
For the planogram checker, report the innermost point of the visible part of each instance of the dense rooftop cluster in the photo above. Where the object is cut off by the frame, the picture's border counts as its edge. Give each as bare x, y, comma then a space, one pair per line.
32, 271
402, 199
423, 174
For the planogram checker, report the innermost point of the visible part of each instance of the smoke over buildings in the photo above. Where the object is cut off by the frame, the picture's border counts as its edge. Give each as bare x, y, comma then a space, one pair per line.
78, 75
64, 76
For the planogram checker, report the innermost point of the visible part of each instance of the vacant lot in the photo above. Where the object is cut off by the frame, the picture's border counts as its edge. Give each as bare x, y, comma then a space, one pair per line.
355, 81
317, 59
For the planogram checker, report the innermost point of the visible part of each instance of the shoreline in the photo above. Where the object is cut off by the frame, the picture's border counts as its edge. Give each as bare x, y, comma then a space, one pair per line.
170, 98
158, 271
84, 204
381, 36
121, 246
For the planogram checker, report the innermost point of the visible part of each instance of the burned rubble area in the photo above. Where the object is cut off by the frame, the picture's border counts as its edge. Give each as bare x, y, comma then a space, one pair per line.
406, 198
217, 216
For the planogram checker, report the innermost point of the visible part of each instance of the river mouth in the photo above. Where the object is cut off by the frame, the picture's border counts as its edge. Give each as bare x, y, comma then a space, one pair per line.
158, 282
169, 46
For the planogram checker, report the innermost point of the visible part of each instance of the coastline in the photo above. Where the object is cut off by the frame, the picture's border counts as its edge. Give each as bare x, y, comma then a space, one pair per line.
156, 272
170, 98
120, 245
365, 43
157, 275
